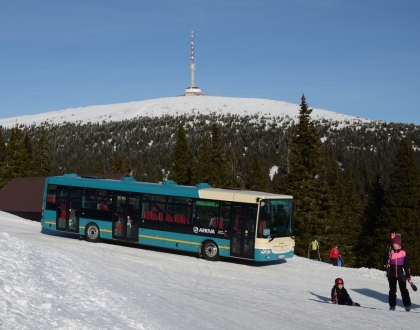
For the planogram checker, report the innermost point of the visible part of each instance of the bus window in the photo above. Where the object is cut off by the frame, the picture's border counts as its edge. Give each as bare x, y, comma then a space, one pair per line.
89, 203
182, 214
51, 196
276, 218
224, 221
154, 207
104, 204
206, 213
179, 210
158, 206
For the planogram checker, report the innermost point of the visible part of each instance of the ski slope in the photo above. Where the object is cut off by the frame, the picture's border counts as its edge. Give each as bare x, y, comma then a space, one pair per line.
174, 106
55, 281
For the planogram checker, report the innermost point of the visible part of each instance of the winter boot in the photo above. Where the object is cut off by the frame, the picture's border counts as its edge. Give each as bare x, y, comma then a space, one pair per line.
408, 308
392, 308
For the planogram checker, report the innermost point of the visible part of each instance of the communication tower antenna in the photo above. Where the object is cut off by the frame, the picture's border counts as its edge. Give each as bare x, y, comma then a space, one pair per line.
192, 90
192, 61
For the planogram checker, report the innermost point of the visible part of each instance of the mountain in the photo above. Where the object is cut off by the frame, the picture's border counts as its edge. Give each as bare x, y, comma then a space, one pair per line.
143, 134
174, 106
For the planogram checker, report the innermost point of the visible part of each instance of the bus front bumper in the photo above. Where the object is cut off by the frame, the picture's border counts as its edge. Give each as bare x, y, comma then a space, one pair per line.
268, 255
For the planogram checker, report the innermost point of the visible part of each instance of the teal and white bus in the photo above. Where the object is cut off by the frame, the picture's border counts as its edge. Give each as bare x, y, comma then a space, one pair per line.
208, 221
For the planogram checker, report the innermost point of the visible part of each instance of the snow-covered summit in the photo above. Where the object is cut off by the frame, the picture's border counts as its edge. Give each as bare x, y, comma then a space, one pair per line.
177, 106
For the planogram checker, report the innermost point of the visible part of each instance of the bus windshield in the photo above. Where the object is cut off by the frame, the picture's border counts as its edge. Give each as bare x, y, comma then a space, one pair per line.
276, 218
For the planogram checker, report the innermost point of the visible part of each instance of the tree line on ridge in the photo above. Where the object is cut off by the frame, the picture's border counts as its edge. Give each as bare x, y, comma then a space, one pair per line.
351, 183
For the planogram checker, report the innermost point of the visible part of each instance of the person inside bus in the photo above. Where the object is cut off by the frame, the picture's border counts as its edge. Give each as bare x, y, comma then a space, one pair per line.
129, 220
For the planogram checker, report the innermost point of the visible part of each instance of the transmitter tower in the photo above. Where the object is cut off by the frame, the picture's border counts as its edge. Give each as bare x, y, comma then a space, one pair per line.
192, 90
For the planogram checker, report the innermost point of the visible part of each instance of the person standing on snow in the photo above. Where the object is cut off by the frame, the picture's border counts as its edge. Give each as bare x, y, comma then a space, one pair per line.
398, 270
334, 255
389, 248
339, 294
340, 261
315, 249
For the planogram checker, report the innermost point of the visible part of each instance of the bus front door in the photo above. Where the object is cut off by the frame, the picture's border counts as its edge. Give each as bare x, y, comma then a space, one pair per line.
126, 218
68, 209
243, 232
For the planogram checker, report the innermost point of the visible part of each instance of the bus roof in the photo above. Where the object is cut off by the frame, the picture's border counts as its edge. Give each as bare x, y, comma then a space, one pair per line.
169, 188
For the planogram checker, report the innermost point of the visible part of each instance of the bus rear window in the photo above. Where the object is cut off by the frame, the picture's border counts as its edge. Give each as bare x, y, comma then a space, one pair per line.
51, 197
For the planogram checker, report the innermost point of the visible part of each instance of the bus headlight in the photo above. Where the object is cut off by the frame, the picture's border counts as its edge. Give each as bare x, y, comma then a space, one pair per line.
265, 251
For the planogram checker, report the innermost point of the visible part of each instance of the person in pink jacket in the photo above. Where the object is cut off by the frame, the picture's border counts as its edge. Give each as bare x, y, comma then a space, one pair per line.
334, 255
398, 271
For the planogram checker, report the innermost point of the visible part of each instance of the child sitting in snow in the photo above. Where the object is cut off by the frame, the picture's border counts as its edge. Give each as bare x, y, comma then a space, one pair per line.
339, 294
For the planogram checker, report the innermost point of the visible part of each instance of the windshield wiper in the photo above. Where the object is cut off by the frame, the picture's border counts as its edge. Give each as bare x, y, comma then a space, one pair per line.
272, 238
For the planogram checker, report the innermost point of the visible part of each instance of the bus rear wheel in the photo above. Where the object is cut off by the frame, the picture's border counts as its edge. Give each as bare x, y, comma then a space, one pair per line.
92, 233
210, 251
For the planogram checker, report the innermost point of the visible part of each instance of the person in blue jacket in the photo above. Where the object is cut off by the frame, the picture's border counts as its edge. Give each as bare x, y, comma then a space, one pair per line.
340, 261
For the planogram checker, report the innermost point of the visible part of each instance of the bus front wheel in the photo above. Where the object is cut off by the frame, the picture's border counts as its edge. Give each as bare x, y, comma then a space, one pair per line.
210, 251
92, 233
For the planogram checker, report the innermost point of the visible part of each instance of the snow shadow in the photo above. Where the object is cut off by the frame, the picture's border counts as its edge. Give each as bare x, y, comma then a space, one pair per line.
382, 297
321, 298
252, 262
59, 233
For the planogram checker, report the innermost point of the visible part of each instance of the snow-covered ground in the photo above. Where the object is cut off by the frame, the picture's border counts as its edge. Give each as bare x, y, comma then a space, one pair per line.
176, 106
55, 281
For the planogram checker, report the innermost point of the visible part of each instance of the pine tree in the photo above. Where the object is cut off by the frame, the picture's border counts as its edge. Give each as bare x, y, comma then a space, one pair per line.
98, 169
42, 160
182, 159
369, 249
279, 178
15, 156
27, 156
2, 148
337, 227
304, 181
118, 165
235, 177
2, 159
202, 168
219, 172
350, 216
276, 185
402, 205
255, 179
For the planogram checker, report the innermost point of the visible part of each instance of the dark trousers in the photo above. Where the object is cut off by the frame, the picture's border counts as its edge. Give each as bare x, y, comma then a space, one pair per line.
315, 254
334, 261
393, 292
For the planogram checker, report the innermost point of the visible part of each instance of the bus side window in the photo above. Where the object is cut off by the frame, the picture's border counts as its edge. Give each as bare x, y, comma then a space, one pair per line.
103, 204
160, 207
51, 197
225, 215
89, 203
205, 212
147, 211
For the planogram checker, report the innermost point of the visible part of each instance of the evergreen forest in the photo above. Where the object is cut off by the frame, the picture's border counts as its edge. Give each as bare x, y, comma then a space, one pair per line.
352, 183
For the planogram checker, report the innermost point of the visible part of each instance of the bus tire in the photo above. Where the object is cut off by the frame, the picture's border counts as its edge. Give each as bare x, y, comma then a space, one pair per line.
210, 251
92, 233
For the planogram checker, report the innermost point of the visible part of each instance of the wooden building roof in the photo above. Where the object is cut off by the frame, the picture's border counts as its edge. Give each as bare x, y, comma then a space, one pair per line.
23, 196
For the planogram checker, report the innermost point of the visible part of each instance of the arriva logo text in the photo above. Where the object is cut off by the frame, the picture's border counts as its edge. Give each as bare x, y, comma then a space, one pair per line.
203, 230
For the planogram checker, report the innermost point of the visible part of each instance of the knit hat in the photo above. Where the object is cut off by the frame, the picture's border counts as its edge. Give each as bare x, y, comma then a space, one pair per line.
397, 240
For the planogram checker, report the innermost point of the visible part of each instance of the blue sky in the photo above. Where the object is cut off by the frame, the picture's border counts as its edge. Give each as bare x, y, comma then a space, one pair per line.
356, 57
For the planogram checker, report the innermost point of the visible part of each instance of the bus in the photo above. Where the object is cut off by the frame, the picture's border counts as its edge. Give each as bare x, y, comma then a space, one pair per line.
211, 222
